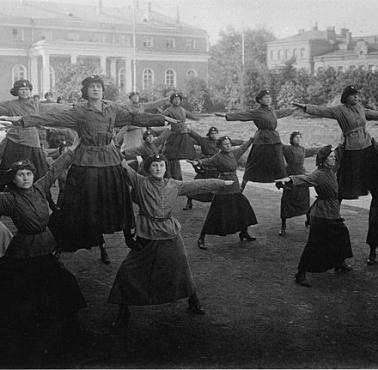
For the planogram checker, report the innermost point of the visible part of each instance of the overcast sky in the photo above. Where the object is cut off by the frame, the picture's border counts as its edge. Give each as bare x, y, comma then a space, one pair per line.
283, 17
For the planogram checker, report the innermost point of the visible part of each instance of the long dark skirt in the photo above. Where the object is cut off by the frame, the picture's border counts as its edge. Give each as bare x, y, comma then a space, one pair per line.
327, 247
295, 202
14, 152
96, 201
205, 174
353, 174
157, 273
228, 214
37, 291
174, 170
179, 146
372, 236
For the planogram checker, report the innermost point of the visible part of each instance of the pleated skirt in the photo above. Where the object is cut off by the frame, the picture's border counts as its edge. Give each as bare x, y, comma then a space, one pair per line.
265, 163
327, 247
156, 273
228, 214
96, 201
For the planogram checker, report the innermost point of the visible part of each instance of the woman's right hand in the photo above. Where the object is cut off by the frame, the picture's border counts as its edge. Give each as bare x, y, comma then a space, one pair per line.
194, 163
75, 143
220, 115
299, 105
228, 182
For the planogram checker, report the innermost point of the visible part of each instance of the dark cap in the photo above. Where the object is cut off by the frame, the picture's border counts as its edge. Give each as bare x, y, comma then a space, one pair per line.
18, 84
175, 95
133, 93
323, 154
24, 164
212, 130
261, 94
147, 133
153, 158
349, 90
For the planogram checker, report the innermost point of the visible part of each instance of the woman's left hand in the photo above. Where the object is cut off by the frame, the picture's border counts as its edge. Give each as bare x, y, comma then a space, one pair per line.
228, 182
75, 144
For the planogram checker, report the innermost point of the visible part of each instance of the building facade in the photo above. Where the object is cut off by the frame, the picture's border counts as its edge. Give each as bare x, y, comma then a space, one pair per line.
37, 36
315, 50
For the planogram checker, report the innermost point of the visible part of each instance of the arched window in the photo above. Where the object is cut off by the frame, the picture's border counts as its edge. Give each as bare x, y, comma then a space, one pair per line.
148, 78
271, 54
279, 54
170, 77
303, 52
52, 77
122, 79
19, 73
192, 73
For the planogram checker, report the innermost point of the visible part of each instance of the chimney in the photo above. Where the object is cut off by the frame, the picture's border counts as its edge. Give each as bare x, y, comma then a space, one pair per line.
343, 32
331, 34
99, 6
348, 39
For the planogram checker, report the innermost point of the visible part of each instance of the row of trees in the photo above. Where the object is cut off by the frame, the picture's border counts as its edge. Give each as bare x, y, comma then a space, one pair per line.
234, 81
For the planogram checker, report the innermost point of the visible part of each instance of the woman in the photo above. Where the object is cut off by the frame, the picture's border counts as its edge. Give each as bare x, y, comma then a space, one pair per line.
328, 243
149, 147
230, 210
357, 146
179, 144
157, 271
267, 146
36, 291
209, 148
96, 197
295, 201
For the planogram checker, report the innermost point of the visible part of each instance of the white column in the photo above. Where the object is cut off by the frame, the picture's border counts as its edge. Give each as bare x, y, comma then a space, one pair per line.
103, 64
129, 76
34, 73
45, 73
113, 69
73, 59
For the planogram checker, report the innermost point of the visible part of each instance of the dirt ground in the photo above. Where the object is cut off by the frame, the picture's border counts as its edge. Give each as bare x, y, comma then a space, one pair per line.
257, 317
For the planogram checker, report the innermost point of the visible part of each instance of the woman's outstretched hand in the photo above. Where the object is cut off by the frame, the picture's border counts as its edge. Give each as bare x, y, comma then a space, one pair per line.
281, 183
75, 143
220, 115
228, 182
170, 120
299, 105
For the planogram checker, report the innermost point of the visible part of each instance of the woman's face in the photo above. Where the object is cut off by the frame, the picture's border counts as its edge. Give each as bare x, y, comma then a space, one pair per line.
95, 91
24, 179
226, 146
157, 169
176, 101
213, 135
24, 92
149, 139
297, 139
331, 160
352, 99
266, 100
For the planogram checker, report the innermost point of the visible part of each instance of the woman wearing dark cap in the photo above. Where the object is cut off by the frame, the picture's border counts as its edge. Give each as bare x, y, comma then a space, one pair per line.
96, 198
157, 270
265, 162
230, 211
357, 146
209, 148
36, 291
149, 147
179, 144
295, 201
328, 243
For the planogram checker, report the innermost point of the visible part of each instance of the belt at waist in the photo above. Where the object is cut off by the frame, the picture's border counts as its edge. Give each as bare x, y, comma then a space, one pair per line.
31, 233
319, 198
159, 219
98, 148
227, 173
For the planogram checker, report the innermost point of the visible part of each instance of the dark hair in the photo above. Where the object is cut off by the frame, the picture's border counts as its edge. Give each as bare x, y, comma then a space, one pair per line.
211, 130
18, 84
293, 135
261, 94
221, 139
322, 155
49, 93
36, 96
154, 158
87, 81
59, 99
348, 90
133, 93
24, 164
175, 95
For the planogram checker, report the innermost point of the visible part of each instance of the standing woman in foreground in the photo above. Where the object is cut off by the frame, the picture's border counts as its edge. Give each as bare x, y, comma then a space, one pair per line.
157, 270
230, 211
96, 197
357, 148
37, 293
265, 162
328, 243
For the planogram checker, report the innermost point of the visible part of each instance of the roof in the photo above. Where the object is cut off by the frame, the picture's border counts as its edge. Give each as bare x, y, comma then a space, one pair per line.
304, 36
86, 16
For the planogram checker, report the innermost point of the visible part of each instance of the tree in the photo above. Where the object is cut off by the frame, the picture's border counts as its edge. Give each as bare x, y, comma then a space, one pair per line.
197, 94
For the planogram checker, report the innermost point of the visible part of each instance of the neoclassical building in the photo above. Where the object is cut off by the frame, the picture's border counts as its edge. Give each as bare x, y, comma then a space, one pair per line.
36, 36
315, 50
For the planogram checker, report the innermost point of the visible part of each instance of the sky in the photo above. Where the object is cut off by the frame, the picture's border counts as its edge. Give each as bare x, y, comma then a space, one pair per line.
282, 17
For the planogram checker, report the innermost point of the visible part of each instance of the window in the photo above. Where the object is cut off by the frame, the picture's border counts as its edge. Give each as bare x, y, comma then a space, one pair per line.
192, 73
272, 55
73, 36
122, 79
18, 73
18, 34
294, 53
286, 54
148, 42
190, 44
279, 54
170, 77
303, 52
170, 43
148, 78
52, 77
125, 40
320, 69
